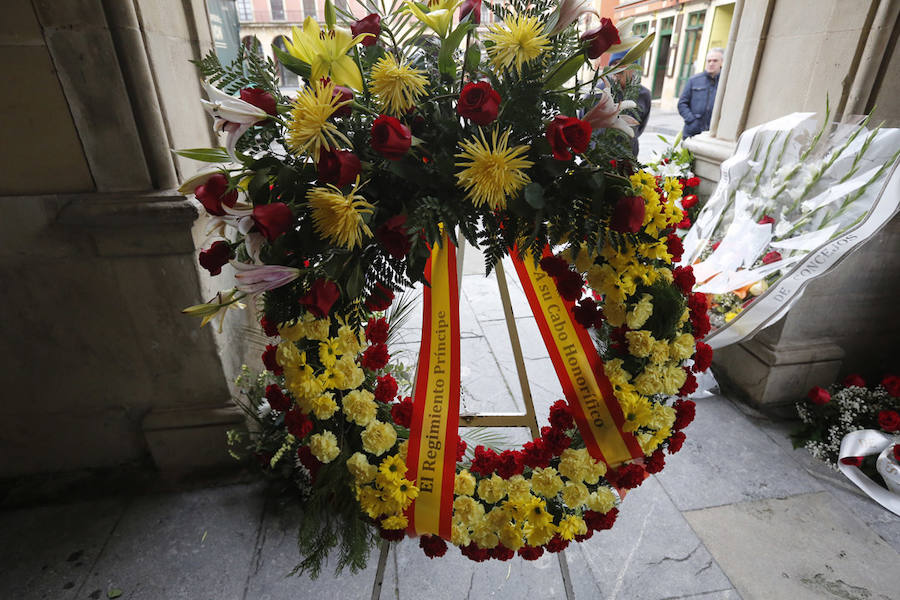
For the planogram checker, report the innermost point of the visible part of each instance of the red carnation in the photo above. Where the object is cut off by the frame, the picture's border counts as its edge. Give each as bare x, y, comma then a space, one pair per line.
214, 193
570, 285
320, 298
676, 441
392, 535
215, 257
692, 182
889, 420
377, 331
260, 99
892, 384
561, 416
675, 247
297, 423
433, 545
485, 461
509, 463
472, 7
690, 383
698, 302
501, 552
473, 552
656, 462
628, 215
375, 357
586, 313
268, 358
896, 451
703, 356
272, 220
554, 266
392, 235
277, 400
531, 553
390, 138
684, 279
766, 219
770, 257
479, 103
585, 536
555, 440
461, 446
599, 521
601, 38
386, 389
380, 299
308, 460
819, 396
268, 327
402, 411
338, 167
630, 476
535, 454
700, 325
685, 411
684, 223
556, 544
568, 135
688, 201
854, 380
368, 24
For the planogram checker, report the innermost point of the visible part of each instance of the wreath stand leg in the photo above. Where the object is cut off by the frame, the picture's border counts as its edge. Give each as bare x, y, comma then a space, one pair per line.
529, 419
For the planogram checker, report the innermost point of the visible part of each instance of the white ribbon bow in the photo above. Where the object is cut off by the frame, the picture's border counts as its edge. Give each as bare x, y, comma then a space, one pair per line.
867, 442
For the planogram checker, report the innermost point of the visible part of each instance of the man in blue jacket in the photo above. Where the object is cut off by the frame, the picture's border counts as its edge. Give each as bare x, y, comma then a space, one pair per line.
699, 95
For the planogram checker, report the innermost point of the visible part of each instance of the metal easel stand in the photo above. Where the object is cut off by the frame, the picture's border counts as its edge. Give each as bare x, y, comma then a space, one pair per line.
528, 419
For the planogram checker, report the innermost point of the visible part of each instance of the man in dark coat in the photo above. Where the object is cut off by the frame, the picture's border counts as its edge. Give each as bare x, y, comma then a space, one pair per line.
699, 94
642, 112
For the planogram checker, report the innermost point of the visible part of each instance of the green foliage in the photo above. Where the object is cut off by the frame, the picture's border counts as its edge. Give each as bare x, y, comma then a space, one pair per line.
248, 69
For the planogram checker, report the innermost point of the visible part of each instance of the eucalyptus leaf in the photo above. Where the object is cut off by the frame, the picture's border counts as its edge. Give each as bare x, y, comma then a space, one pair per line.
205, 154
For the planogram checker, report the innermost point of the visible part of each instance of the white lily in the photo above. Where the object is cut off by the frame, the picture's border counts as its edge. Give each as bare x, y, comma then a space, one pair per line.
569, 12
232, 115
627, 39
255, 279
606, 114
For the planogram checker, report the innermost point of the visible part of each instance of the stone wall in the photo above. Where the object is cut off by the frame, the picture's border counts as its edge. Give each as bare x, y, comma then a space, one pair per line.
98, 251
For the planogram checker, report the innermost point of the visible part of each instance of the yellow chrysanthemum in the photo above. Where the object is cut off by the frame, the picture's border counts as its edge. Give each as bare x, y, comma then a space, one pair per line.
517, 41
396, 85
338, 217
329, 351
494, 171
309, 128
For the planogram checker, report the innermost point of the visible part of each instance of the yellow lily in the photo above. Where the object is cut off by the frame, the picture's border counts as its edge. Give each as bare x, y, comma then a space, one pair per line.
439, 16
326, 53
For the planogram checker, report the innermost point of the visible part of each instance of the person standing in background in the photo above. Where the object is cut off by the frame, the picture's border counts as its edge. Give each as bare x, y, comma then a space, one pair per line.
642, 112
699, 94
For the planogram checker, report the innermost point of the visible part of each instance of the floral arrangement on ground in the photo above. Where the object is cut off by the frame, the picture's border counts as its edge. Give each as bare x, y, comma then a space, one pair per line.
413, 127
677, 161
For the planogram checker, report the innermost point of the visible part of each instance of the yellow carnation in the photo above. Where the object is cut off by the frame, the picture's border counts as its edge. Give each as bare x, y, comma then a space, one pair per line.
324, 406
467, 510
349, 340
571, 526
575, 494
511, 536
682, 347
318, 329
402, 449
602, 500
573, 464
492, 490
378, 438
288, 356
596, 469
660, 352
483, 535
640, 343
324, 446
673, 378
638, 315
360, 468
359, 407
518, 488
459, 535
615, 313
464, 484
546, 482
292, 332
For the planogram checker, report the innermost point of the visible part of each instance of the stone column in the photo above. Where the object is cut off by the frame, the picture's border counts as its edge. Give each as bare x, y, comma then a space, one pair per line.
99, 250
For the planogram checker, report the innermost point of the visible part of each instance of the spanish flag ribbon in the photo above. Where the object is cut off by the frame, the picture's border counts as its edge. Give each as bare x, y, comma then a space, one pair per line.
578, 366
431, 457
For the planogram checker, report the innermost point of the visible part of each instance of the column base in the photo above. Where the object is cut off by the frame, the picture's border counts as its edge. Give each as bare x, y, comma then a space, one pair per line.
189, 438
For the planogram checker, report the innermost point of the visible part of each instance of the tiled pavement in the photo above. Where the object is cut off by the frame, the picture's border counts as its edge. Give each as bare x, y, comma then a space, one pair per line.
736, 514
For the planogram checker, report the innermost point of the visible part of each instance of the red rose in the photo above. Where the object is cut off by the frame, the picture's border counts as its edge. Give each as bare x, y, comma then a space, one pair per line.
268, 358
375, 357
601, 38
297, 423
260, 99
277, 400
853, 461
339, 167
509, 463
568, 133
892, 384
484, 461
380, 299
676, 441
819, 396
402, 411
461, 446
561, 416
272, 220
215, 257
703, 356
692, 182
214, 193
854, 380
531, 553
392, 235
555, 440
684, 279
656, 462
377, 331
766, 219
556, 544
479, 103
675, 247
689, 201
390, 137
320, 297
570, 285
433, 545
628, 216
770, 257
386, 389
685, 223
554, 266
368, 24
889, 420
472, 7
535, 454
685, 411
599, 521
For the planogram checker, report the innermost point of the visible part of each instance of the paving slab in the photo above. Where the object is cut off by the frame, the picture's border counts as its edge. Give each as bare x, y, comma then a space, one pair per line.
805, 546
651, 553
734, 459
194, 545
48, 552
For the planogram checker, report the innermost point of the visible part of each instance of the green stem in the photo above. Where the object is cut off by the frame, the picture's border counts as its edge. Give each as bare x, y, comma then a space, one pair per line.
462, 75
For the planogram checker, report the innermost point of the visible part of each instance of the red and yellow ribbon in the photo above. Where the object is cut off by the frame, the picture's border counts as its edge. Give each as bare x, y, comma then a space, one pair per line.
431, 457
578, 366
